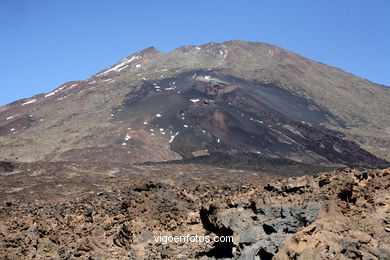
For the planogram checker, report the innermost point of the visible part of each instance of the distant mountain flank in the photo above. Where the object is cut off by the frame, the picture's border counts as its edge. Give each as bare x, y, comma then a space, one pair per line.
204, 102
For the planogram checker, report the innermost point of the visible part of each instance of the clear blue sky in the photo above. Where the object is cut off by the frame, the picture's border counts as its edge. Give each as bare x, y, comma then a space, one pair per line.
45, 43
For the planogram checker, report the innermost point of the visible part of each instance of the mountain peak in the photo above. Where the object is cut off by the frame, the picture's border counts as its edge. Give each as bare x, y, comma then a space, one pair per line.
250, 44
150, 51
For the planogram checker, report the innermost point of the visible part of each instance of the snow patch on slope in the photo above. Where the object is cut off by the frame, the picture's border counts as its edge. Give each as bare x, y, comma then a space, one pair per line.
173, 137
60, 89
29, 102
121, 66
224, 54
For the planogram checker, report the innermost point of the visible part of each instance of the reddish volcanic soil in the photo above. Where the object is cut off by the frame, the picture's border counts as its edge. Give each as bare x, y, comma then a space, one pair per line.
102, 211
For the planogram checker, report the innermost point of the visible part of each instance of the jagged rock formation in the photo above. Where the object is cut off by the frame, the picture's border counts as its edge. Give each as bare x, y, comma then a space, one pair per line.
335, 215
261, 231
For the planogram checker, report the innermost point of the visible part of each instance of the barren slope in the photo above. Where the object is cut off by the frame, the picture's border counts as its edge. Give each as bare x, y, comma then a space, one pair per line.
197, 100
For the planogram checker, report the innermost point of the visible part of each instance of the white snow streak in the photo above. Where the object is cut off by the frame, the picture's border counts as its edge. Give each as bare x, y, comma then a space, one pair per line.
29, 102
58, 90
120, 66
173, 137
224, 54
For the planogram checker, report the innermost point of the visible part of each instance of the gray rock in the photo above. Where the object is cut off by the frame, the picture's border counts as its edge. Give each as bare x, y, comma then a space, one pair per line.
268, 212
311, 212
279, 240
249, 252
237, 220
349, 248
97, 256
384, 251
262, 237
252, 235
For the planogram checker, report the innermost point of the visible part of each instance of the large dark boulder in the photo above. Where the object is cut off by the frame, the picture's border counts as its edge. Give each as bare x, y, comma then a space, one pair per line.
6, 166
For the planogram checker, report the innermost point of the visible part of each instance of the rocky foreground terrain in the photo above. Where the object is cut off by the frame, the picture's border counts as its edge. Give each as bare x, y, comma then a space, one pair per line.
100, 211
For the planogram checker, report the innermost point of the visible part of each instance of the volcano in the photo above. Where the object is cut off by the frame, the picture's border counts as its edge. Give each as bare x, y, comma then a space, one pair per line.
202, 103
